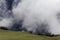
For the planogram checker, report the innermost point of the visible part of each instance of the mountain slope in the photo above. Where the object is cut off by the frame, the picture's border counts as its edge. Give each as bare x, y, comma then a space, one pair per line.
13, 35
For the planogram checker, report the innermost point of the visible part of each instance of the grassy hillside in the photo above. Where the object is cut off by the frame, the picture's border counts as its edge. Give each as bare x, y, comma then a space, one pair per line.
13, 35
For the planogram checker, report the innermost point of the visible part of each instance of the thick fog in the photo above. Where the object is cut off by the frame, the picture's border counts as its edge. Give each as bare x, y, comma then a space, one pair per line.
36, 16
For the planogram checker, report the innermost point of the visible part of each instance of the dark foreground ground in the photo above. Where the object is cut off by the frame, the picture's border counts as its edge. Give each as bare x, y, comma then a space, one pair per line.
13, 35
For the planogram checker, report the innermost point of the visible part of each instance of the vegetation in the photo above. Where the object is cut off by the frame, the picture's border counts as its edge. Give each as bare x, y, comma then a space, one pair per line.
3, 28
13, 35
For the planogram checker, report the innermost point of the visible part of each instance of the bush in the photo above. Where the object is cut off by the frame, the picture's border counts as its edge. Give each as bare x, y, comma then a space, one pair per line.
4, 28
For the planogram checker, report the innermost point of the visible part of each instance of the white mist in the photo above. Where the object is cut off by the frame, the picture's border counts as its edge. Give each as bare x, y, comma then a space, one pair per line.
40, 16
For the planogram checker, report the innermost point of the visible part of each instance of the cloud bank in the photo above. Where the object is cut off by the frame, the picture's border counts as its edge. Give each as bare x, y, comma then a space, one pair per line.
36, 16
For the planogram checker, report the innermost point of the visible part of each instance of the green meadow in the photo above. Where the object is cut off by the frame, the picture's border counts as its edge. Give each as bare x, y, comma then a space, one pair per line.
17, 35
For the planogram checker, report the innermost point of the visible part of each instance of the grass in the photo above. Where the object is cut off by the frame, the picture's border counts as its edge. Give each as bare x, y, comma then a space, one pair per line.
13, 35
